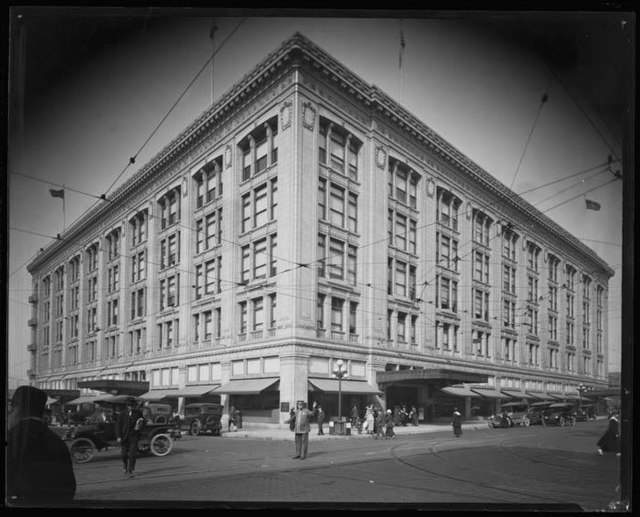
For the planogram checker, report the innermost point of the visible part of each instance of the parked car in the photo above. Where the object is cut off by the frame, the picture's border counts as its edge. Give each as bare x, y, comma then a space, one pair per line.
203, 417
536, 412
517, 413
499, 420
585, 413
560, 413
157, 413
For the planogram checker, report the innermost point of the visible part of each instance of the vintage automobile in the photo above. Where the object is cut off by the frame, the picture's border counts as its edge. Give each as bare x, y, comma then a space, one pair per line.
85, 440
499, 420
517, 413
585, 413
157, 413
559, 413
536, 411
203, 417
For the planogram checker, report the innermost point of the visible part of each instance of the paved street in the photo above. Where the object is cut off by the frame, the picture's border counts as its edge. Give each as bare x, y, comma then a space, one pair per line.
535, 466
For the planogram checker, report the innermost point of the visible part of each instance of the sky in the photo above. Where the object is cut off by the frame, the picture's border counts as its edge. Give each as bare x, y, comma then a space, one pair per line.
99, 88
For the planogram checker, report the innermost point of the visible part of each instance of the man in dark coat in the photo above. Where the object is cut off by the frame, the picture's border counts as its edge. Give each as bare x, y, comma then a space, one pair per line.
320, 416
128, 425
456, 422
39, 467
610, 440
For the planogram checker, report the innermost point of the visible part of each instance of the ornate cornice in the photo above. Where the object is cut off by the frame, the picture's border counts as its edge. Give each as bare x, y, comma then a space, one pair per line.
295, 52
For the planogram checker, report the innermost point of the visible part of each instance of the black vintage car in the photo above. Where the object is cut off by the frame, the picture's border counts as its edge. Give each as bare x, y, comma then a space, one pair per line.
85, 440
560, 414
536, 412
203, 417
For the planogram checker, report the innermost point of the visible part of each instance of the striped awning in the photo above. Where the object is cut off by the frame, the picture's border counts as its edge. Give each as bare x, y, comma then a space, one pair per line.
459, 391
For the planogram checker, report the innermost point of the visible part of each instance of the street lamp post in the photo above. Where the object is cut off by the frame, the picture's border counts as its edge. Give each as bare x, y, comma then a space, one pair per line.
339, 372
581, 389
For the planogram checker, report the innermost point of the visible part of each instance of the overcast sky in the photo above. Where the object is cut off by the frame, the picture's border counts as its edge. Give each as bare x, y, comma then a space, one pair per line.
96, 86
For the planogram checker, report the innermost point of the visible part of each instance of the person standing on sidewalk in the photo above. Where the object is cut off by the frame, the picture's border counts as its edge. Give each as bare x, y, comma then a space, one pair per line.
390, 422
379, 424
232, 419
301, 428
320, 416
128, 425
456, 422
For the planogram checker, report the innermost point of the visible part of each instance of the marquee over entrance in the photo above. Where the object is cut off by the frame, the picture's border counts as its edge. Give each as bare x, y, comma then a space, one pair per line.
116, 386
439, 376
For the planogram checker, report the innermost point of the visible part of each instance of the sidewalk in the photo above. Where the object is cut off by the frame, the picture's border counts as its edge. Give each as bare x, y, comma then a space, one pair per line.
267, 433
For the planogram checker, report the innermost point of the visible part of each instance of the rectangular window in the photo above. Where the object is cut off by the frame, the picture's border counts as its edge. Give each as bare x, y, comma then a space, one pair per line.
352, 213
261, 206
336, 259
322, 199
320, 311
336, 205
258, 314
353, 310
336, 314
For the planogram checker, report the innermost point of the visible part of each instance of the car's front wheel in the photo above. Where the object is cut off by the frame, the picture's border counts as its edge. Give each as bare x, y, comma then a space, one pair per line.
526, 422
161, 444
82, 450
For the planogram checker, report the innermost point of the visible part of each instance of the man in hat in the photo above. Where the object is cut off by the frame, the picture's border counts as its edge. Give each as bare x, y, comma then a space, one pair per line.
128, 426
39, 467
301, 428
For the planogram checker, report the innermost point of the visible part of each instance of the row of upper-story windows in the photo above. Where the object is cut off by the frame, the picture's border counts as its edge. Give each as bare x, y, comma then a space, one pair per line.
402, 183
337, 260
259, 206
402, 232
338, 149
259, 149
337, 205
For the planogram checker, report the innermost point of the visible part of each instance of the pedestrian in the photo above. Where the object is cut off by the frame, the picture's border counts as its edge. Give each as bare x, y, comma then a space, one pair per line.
128, 426
320, 416
292, 419
610, 440
456, 422
414, 416
609, 443
39, 467
301, 427
232, 419
237, 418
369, 420
389, 423
379, 424
354, 416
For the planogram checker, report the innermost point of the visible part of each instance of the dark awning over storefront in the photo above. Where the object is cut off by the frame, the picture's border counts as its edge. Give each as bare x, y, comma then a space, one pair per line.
490, 393
542, 395
188, 391
418, 376
459, 391
116, 386
247, 386
333, 386
518, 395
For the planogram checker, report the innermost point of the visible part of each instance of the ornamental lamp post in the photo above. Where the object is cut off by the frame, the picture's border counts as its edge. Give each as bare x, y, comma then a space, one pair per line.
340, 371
581, 389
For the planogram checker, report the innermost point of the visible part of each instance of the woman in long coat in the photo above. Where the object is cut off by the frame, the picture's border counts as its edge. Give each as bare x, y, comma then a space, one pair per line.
456, 422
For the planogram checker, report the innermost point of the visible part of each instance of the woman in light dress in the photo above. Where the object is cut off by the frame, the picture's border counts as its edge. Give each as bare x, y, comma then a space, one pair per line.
369, 419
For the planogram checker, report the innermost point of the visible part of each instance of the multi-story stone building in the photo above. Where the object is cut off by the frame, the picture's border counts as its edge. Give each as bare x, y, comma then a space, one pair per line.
307, 218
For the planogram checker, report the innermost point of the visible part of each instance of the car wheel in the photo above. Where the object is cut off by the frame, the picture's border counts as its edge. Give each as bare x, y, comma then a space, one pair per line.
194, 428
82, 450
161, 444
525, 422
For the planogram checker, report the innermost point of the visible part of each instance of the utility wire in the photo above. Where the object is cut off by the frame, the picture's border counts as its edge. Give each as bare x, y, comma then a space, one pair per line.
202, 69
564, 178
543, 100
580, 195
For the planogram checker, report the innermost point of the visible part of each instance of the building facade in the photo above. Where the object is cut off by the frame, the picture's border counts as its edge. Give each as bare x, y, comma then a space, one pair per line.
307, 218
